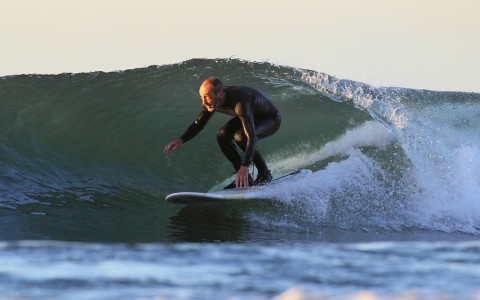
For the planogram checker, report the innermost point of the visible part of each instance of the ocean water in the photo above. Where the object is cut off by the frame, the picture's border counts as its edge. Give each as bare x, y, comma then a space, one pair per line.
391, 211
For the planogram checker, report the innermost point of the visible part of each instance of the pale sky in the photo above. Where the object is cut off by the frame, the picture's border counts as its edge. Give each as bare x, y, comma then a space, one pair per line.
430, 44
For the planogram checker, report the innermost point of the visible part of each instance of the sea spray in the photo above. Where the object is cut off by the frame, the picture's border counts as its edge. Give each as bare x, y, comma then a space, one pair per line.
369, 134
436, 132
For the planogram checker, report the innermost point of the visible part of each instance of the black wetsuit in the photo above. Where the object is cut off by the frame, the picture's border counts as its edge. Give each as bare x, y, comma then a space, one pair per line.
255, 117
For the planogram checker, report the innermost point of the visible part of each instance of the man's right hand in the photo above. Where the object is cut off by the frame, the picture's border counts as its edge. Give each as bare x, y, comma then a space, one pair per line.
172, 146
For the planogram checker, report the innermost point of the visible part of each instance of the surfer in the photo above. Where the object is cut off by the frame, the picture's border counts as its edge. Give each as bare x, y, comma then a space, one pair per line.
254, 118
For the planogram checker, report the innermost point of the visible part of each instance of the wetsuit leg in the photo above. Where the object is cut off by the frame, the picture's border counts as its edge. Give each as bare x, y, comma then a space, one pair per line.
263, 128
225, 139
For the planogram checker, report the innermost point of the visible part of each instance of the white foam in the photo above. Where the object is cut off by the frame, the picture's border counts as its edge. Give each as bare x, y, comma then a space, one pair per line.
439, 134
450, 201
369, 134
348, 194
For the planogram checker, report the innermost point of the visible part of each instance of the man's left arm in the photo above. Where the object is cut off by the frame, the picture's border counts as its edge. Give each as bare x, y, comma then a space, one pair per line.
245, 114
248, 126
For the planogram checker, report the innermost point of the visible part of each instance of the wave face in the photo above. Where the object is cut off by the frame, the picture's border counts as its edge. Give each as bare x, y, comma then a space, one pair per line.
85, 150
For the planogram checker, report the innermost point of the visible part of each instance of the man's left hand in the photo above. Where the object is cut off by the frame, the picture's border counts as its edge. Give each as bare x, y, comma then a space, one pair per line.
242, 177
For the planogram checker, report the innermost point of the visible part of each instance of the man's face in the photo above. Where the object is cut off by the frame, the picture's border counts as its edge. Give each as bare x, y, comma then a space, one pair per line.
210, 100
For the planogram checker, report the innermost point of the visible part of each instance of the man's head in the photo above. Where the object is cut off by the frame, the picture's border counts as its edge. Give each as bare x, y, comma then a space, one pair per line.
212, 93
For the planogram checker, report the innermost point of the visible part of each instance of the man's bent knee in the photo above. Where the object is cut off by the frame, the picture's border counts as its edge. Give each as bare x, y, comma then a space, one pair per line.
239, 137
221, 134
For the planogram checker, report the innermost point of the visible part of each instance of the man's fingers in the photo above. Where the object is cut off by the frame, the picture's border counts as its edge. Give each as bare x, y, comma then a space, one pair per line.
171, 146
241, 182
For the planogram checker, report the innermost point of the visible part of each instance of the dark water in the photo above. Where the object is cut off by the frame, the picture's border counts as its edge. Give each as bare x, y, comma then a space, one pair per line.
83, 178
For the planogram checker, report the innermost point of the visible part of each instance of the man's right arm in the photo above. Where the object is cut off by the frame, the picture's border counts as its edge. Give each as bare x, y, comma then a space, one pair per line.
197, 125
191, 131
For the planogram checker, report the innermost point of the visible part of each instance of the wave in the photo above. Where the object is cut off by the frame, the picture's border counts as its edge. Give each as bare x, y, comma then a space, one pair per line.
384, 158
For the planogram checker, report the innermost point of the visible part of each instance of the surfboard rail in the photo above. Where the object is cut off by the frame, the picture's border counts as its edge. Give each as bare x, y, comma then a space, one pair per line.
237, 194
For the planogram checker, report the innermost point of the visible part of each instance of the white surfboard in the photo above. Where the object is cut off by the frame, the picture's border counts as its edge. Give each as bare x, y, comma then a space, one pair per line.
255, 192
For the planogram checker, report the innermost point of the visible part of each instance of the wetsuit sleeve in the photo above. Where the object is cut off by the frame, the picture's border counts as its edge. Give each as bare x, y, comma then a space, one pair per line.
245, 114
197, 125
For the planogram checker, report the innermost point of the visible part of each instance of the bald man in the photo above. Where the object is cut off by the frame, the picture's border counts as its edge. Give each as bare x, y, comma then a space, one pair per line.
254, 118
